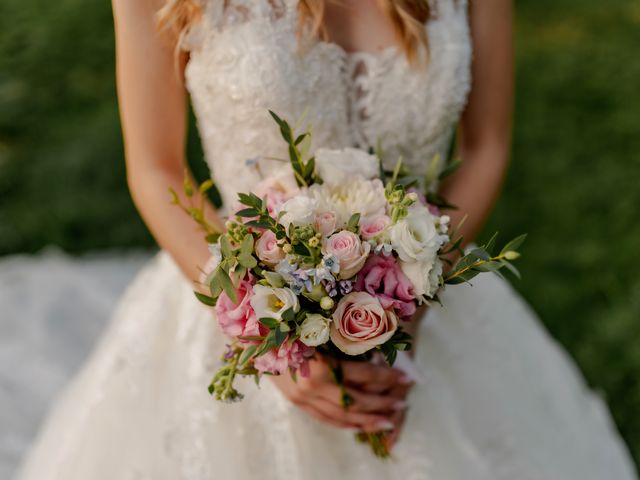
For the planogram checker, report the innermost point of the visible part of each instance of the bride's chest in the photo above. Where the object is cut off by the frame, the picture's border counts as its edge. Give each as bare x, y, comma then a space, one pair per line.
239, 69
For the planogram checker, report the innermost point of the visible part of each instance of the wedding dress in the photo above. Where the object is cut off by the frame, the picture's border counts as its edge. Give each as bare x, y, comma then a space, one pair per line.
496, 397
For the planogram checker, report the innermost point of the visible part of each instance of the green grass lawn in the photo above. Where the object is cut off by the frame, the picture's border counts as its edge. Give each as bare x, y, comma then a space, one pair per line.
573, 184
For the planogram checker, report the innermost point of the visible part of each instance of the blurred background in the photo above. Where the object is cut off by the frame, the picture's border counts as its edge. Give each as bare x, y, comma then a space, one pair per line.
65, 209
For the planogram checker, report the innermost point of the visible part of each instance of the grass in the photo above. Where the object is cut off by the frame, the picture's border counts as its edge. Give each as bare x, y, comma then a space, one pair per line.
573, 184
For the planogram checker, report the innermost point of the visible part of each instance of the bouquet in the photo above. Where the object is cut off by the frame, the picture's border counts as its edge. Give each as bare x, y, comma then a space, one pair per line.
330, 257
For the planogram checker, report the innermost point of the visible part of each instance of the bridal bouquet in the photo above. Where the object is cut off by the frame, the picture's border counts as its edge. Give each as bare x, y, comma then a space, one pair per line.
330, 257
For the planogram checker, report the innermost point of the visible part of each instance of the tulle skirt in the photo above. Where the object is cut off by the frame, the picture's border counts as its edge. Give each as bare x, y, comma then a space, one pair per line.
496, 398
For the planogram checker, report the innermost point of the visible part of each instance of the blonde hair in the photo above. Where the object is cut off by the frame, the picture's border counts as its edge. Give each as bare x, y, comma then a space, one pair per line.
407, 17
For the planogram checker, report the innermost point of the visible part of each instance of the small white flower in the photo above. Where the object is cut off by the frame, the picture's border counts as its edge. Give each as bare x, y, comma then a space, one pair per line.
299, 210
315, 330
336, 166
269, 302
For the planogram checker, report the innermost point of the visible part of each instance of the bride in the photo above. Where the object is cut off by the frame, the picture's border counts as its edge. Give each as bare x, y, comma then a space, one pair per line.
487, 395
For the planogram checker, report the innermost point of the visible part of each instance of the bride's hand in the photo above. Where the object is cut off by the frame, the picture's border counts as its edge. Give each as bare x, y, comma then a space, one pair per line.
378, 393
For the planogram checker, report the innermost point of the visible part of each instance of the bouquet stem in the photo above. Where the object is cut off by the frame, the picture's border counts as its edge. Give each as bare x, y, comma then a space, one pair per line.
377, 441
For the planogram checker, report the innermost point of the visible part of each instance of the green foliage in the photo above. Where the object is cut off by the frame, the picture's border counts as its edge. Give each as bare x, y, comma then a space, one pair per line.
572, 185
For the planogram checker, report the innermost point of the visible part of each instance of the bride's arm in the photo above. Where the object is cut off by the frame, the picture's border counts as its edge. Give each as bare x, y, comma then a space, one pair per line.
152, 103
485, 132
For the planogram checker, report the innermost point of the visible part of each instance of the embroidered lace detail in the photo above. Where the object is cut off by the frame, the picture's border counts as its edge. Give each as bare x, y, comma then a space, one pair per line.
245, 59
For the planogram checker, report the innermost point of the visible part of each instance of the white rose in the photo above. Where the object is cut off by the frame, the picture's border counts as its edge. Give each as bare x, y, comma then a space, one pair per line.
365, 197
336, 166
315, 330
269, 302
299, 210
416, 237
424, 275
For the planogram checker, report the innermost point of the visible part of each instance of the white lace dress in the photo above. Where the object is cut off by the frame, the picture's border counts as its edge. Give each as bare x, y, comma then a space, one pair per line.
497, 399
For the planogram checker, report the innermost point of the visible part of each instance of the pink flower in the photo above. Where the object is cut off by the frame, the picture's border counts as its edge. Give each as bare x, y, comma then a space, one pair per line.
360, 323
277, 189
294, 356
349, 250
238, 319
383, 277
325, 223
372, 226
268, 250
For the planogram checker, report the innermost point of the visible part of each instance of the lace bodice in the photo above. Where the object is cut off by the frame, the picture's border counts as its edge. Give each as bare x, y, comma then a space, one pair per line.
245, 59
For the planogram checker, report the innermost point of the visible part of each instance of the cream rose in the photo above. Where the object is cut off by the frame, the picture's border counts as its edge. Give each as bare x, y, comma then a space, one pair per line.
268, 250
314, 330
349, 250
269, 302
416, 237
336, 166
360, 323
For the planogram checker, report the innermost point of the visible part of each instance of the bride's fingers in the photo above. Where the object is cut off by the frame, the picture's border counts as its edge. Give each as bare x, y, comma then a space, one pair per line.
360, 373
398, 421
366, 402
366, 422
317, 414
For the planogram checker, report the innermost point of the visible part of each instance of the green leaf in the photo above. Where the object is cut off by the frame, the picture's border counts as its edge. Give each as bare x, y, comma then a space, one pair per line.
284, 327
352, 224
481, 254
225, 247
250, 200
289, 315
274, 279
449, 169
221, 277
247, 260
259, 224
248, 213
269, 322
513, 244
490, 266
206, 299
285, 129
279, 337
432, 170
509, 266
246, 248
491, 243
461, 278
246, 355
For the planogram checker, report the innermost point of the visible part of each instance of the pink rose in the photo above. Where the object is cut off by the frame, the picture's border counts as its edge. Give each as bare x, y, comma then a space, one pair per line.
360, 323
349, 250
238, 319
268, 250
294, 356
325, 223
277, 189
383, 277
372, 226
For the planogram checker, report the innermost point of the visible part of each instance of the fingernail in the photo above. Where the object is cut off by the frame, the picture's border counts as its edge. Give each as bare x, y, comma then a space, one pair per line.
405, 380
399, 405
385, 425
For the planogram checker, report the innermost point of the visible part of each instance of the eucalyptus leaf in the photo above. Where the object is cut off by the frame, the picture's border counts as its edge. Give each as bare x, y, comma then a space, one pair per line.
206, 299
247, 354
269, 322
225, 247
221, 277
513, 244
